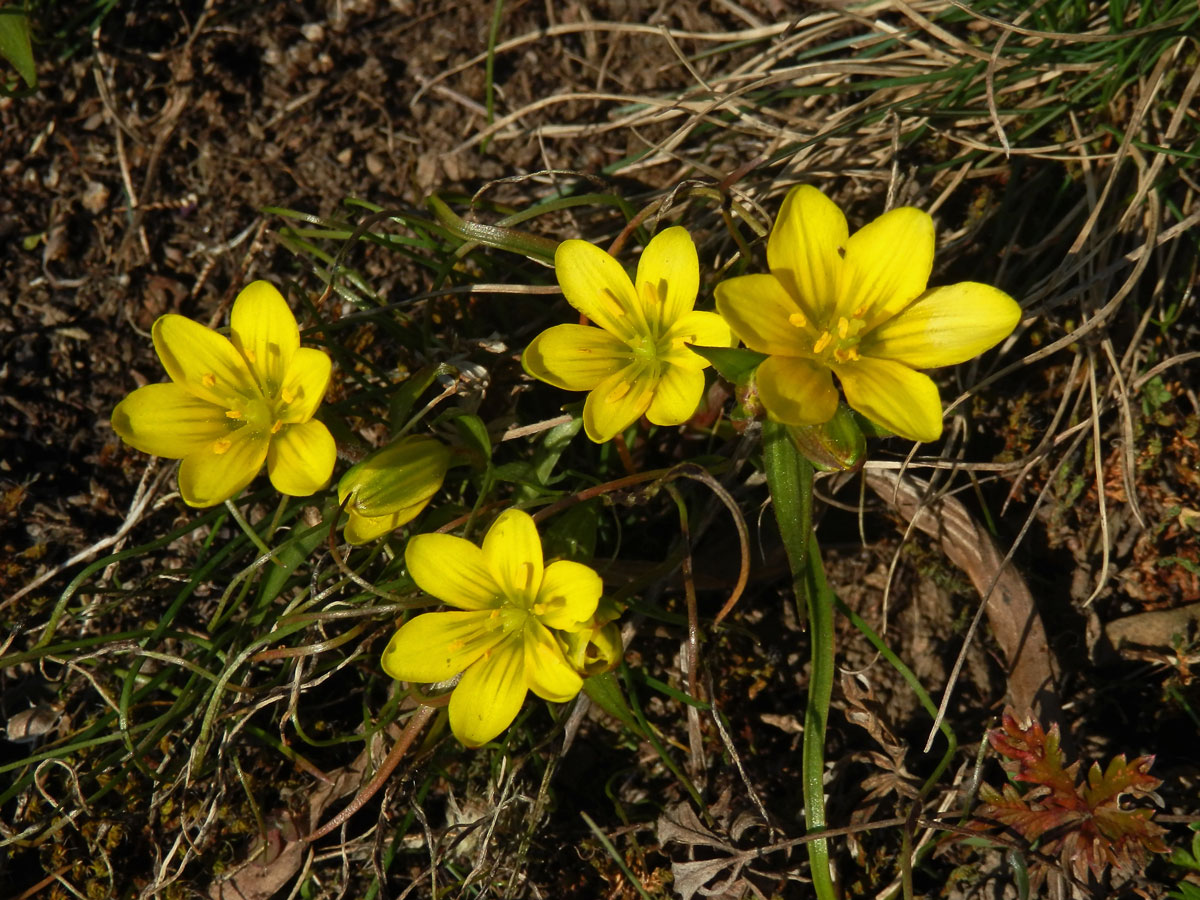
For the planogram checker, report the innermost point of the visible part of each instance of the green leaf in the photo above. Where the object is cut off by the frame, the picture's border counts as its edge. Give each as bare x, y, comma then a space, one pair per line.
15, 45
605, 691
736, 364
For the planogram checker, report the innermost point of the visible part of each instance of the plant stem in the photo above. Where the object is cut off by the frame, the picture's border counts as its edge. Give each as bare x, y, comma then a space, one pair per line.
790, 478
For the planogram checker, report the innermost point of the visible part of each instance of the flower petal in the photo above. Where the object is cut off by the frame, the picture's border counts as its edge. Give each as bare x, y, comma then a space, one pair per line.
569, 595
617, 402
204, 362
263, 328
490, 694
596, 285
301, 457
796, 391
513, 552
547, 672
804, 251
453, 570
435, 646
887, 265
169, 420
362, 529
676, 395
220, 471
891, 394
946, 326
575, 357
304, 384
702, 329
668, 277
764, 315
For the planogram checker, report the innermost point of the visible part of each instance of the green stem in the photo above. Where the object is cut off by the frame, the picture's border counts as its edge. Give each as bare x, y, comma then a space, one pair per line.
790, 478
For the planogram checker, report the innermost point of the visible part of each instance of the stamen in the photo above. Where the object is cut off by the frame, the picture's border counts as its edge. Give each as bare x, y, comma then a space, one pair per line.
494, 614
221, 446
287, 395
525, 576
617, 392
846, 354
797, 320
456, 644
249, 354
843, 327
275, 428
208, 379
233, 414
822, 342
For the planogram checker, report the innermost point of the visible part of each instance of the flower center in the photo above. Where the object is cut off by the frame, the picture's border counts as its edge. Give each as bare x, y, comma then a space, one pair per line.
838, 342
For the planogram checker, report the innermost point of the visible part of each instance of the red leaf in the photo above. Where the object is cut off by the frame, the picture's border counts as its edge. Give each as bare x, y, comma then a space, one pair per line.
1082, 824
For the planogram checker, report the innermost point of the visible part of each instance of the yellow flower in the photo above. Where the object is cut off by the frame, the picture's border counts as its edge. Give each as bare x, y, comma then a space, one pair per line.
501, 638
231, 404
391, 486
857, 305
635, 363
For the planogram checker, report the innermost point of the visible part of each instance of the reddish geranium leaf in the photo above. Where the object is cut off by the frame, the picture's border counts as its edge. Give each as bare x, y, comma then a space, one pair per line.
1083, 824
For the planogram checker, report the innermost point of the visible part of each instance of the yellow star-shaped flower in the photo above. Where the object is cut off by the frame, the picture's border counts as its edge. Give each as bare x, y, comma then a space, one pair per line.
502, 636
636, 362
233, 403
857, 306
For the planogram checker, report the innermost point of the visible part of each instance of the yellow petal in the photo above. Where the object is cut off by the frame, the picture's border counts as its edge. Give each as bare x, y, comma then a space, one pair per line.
168, 420
803, 251
701, 329
575, 357
403, 475
596, 285
569, 595
263, 328
547, 672
219, 471
512, 550
204, 362
796, 391
436, 646
676, 395
887, 265
617, 402
490, 694
364, 529
304, 384
764, 315
453, 570
946, 326
300, 461
668, 277
890, 394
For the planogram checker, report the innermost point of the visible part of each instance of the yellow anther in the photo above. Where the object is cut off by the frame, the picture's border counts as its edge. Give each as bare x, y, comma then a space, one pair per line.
494, 614
275, 428
859, 313
287, 395
617, 392
208, 379
822, 342
456, 645
843, 327
846, 354
221, 446
233, 414
249, 354
797, 320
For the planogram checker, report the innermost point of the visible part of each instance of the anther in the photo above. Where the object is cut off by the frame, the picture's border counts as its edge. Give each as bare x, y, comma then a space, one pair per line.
617, 392
221, 446
208, 379
233, 414
822, 342
797, 320
275, 428
287, 395
843, 327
